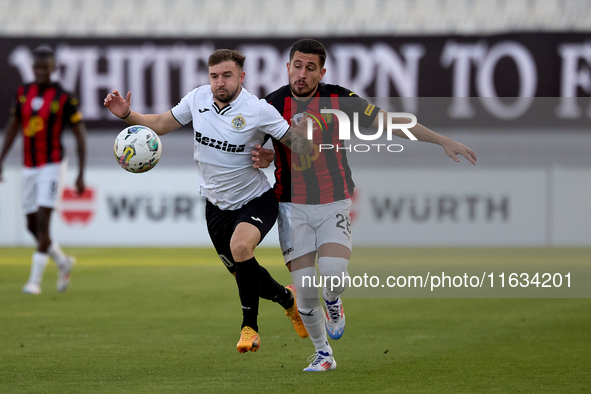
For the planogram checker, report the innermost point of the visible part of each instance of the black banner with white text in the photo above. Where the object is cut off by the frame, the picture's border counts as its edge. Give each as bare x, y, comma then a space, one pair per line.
509, 70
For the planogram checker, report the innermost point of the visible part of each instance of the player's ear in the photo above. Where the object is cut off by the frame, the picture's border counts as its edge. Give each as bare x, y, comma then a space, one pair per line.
288, 64
322, 72
242, 75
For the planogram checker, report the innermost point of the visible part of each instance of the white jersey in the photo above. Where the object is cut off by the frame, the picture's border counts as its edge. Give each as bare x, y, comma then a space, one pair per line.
224, 140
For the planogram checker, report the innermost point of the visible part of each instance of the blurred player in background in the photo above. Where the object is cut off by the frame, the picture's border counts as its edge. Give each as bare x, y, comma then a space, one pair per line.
241, 205
314, 191
42, 110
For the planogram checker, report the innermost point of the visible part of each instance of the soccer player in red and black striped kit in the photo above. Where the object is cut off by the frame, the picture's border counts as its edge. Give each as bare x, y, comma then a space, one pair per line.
315, 190
42, 110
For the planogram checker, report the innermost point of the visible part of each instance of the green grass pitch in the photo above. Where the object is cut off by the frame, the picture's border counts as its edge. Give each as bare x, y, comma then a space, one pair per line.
167, 320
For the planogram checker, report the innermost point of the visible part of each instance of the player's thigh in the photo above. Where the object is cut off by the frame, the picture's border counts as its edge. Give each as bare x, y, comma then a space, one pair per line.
244, 239
333, 249
49, 185
43, 221
305, 261
284, 229
333, 229
302, 235
261, 212
220, 226
29, 190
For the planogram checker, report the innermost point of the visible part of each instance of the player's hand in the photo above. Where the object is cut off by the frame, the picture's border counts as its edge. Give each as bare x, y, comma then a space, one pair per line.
262, 157
300, 128
80, 185
453, 148
118, 105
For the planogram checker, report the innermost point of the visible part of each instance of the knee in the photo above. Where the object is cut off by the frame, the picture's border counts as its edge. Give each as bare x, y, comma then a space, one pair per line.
32, 227
32, 224
43, 242
242, 250
334, 272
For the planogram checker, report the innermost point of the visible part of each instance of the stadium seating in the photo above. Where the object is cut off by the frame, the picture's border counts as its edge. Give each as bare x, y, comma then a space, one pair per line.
259, 18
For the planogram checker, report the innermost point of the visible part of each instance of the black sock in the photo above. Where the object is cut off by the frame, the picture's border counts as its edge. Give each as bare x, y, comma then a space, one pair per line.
248, 278
272, 290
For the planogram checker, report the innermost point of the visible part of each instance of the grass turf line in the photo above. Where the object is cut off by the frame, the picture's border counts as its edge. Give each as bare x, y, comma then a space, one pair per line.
167, 320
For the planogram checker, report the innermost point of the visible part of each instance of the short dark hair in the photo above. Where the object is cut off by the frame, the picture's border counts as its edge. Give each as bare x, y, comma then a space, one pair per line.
223, 55
310, 47
43, 52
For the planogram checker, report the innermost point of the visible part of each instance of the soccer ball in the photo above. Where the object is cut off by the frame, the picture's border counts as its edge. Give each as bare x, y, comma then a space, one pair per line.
137, 149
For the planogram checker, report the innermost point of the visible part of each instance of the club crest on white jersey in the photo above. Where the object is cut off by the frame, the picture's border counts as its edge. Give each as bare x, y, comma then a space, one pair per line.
223, 140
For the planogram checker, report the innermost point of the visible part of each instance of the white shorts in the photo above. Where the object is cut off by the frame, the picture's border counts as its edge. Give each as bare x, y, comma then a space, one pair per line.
42, 186
303, 228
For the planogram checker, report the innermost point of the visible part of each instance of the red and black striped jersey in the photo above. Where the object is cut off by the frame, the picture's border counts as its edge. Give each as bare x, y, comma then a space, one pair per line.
44, 112
318, 177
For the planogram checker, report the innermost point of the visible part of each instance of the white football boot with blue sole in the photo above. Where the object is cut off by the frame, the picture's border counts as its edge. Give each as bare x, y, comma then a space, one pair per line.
335, 318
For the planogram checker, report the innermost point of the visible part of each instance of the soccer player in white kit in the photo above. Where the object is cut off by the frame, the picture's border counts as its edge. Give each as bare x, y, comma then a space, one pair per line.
241, 207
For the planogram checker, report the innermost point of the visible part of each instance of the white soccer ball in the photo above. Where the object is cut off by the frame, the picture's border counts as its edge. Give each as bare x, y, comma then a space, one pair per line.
137, 149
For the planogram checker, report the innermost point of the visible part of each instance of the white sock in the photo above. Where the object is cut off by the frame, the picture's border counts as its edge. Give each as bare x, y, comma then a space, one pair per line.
56, 253
310, 308
335, 268
38, 267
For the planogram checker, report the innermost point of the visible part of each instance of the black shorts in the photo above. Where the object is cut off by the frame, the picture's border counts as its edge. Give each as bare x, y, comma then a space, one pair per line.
261, 212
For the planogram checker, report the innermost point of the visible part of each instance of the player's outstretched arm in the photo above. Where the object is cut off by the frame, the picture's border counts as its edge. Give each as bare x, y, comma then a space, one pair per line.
121, 108
295, 138
422, 133
11, 132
